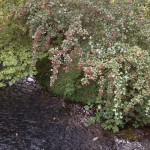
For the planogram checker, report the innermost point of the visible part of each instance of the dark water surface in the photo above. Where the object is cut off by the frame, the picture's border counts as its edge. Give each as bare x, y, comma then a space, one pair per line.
32, 119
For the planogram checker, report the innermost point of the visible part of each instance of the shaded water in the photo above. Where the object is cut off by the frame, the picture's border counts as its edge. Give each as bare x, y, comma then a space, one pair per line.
32, 119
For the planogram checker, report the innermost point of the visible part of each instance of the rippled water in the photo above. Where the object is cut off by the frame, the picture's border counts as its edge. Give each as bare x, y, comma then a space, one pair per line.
32, 119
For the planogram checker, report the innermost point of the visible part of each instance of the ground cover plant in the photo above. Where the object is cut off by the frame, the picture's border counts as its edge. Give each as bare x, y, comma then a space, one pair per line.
92, 52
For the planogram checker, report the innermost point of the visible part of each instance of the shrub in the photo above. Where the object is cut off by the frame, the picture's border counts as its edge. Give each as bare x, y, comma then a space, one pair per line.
15, 51
94, 48
123, 77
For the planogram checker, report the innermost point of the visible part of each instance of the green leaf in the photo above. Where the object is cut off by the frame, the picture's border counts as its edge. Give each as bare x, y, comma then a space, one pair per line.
115, 129
86, 107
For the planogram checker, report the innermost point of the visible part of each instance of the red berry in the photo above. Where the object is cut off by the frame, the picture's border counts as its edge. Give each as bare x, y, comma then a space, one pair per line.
69, 51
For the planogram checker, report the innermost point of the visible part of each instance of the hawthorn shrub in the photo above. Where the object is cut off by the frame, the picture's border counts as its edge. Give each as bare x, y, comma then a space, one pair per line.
97, 54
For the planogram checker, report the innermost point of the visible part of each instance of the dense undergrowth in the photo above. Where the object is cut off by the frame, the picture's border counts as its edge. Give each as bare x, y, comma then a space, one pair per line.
15, 46
89, 51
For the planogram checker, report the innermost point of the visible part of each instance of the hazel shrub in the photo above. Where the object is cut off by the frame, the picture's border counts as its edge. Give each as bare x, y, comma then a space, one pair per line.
108, 46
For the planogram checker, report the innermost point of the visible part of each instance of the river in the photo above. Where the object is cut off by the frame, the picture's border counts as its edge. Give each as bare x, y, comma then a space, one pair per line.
33, 119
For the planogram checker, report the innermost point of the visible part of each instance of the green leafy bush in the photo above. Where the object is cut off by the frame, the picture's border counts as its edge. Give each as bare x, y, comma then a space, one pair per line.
124, 92
15, 47
98, 55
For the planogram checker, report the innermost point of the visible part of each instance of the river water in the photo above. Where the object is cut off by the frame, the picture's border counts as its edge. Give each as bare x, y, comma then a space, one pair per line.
32, 119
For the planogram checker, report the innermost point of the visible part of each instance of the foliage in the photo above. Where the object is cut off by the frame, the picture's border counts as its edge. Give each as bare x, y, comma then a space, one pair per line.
124, 86
98, 53
15, 49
